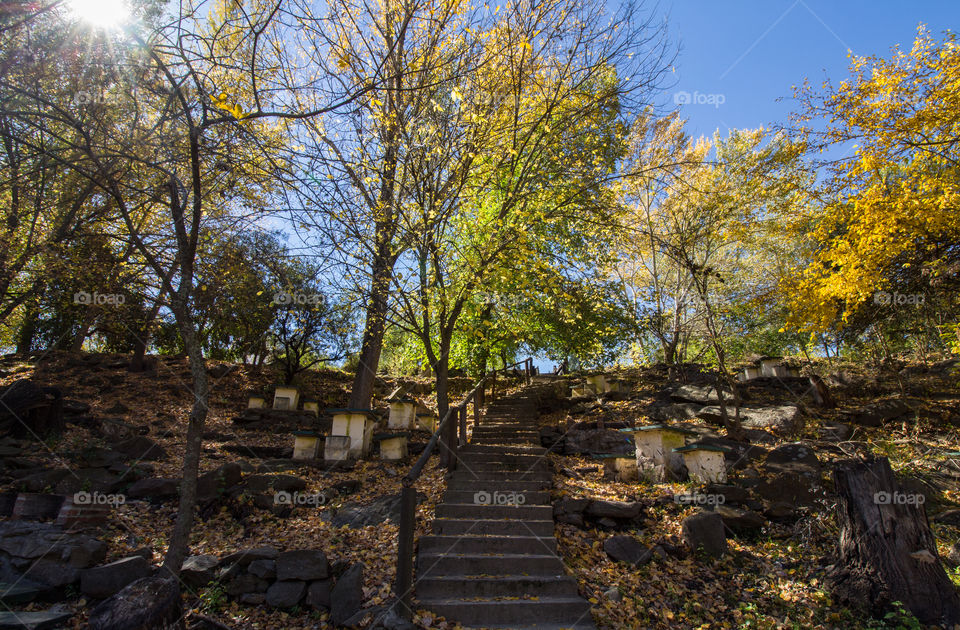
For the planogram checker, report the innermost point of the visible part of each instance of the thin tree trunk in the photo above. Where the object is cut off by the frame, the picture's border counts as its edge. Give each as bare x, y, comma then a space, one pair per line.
372, 346
180, 538
28, 329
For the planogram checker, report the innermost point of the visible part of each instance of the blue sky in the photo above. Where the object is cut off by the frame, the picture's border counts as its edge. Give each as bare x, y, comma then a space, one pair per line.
737, 57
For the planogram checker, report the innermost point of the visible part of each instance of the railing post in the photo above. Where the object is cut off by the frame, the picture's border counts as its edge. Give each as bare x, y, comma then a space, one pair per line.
477, 403
408, 522
463, 425
451, 439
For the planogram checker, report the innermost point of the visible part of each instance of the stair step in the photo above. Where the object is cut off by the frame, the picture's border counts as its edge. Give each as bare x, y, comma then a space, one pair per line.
480, 565
484, 467
514, 459
563, 612
495, 512
432, 543
495, 477
469, 484
458, 586
482, 527
509, 450
530, 497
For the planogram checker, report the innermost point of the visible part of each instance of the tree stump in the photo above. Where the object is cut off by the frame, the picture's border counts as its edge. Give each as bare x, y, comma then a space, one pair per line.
887, 552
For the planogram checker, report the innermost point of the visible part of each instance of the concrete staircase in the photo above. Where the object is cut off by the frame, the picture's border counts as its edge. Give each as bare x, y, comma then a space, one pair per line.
492, 560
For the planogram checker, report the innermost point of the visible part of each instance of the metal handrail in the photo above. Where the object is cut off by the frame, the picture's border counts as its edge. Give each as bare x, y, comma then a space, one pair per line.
408, 495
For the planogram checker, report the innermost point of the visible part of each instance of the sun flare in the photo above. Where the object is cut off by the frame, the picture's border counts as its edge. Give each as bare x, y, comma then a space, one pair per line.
101, 13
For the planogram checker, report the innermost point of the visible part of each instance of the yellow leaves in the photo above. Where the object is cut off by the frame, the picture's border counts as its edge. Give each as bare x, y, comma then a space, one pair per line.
221, 102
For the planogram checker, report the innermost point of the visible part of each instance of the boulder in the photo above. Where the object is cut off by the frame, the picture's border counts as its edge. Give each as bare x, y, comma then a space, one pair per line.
28, 410
384, 508
305, 564
242, 583
318, 595
789, 487
597, 441
703, 395
141, 447
876, 413
148, 603
782, 419
705, 530
731, 494
154, 489
671, 412
199, 570
104, 581
245, 556
54, 557
627, 549
286, 594
212, 485
740, 521
347, 595
796, 457
39, 620
274, 483
598, 508
264, 569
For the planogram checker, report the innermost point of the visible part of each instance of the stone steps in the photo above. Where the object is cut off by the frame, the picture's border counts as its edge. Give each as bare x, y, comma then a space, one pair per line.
492, 560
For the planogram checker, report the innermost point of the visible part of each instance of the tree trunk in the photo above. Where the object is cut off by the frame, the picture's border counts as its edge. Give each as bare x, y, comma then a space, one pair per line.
180, 538
449, 435
886, 551
28, 329
369, 363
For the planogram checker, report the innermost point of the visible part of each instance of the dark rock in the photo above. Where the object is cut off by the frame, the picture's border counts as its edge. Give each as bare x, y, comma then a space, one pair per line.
104, 581
214, 484
306, 564
35, 506
740, 521
28, 410
782, 420
75, 407
154, 489
731, 494
780, 512
265, 569
245, 556
597, 441
54, 556
274, 483
285, 594
834, 431
614, 509
697, 394
39, 620
671, 412
243, 583
627, 549
347, 594
118, 430
44, 480
705, 530
147, 604
22, 592
876, 413
318, 595
199, 570
796, 457
117, 409
141, 448
789, 487
384, 508
253, 599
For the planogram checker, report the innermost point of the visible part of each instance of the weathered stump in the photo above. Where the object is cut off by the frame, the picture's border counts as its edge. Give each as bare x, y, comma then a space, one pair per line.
887, 552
